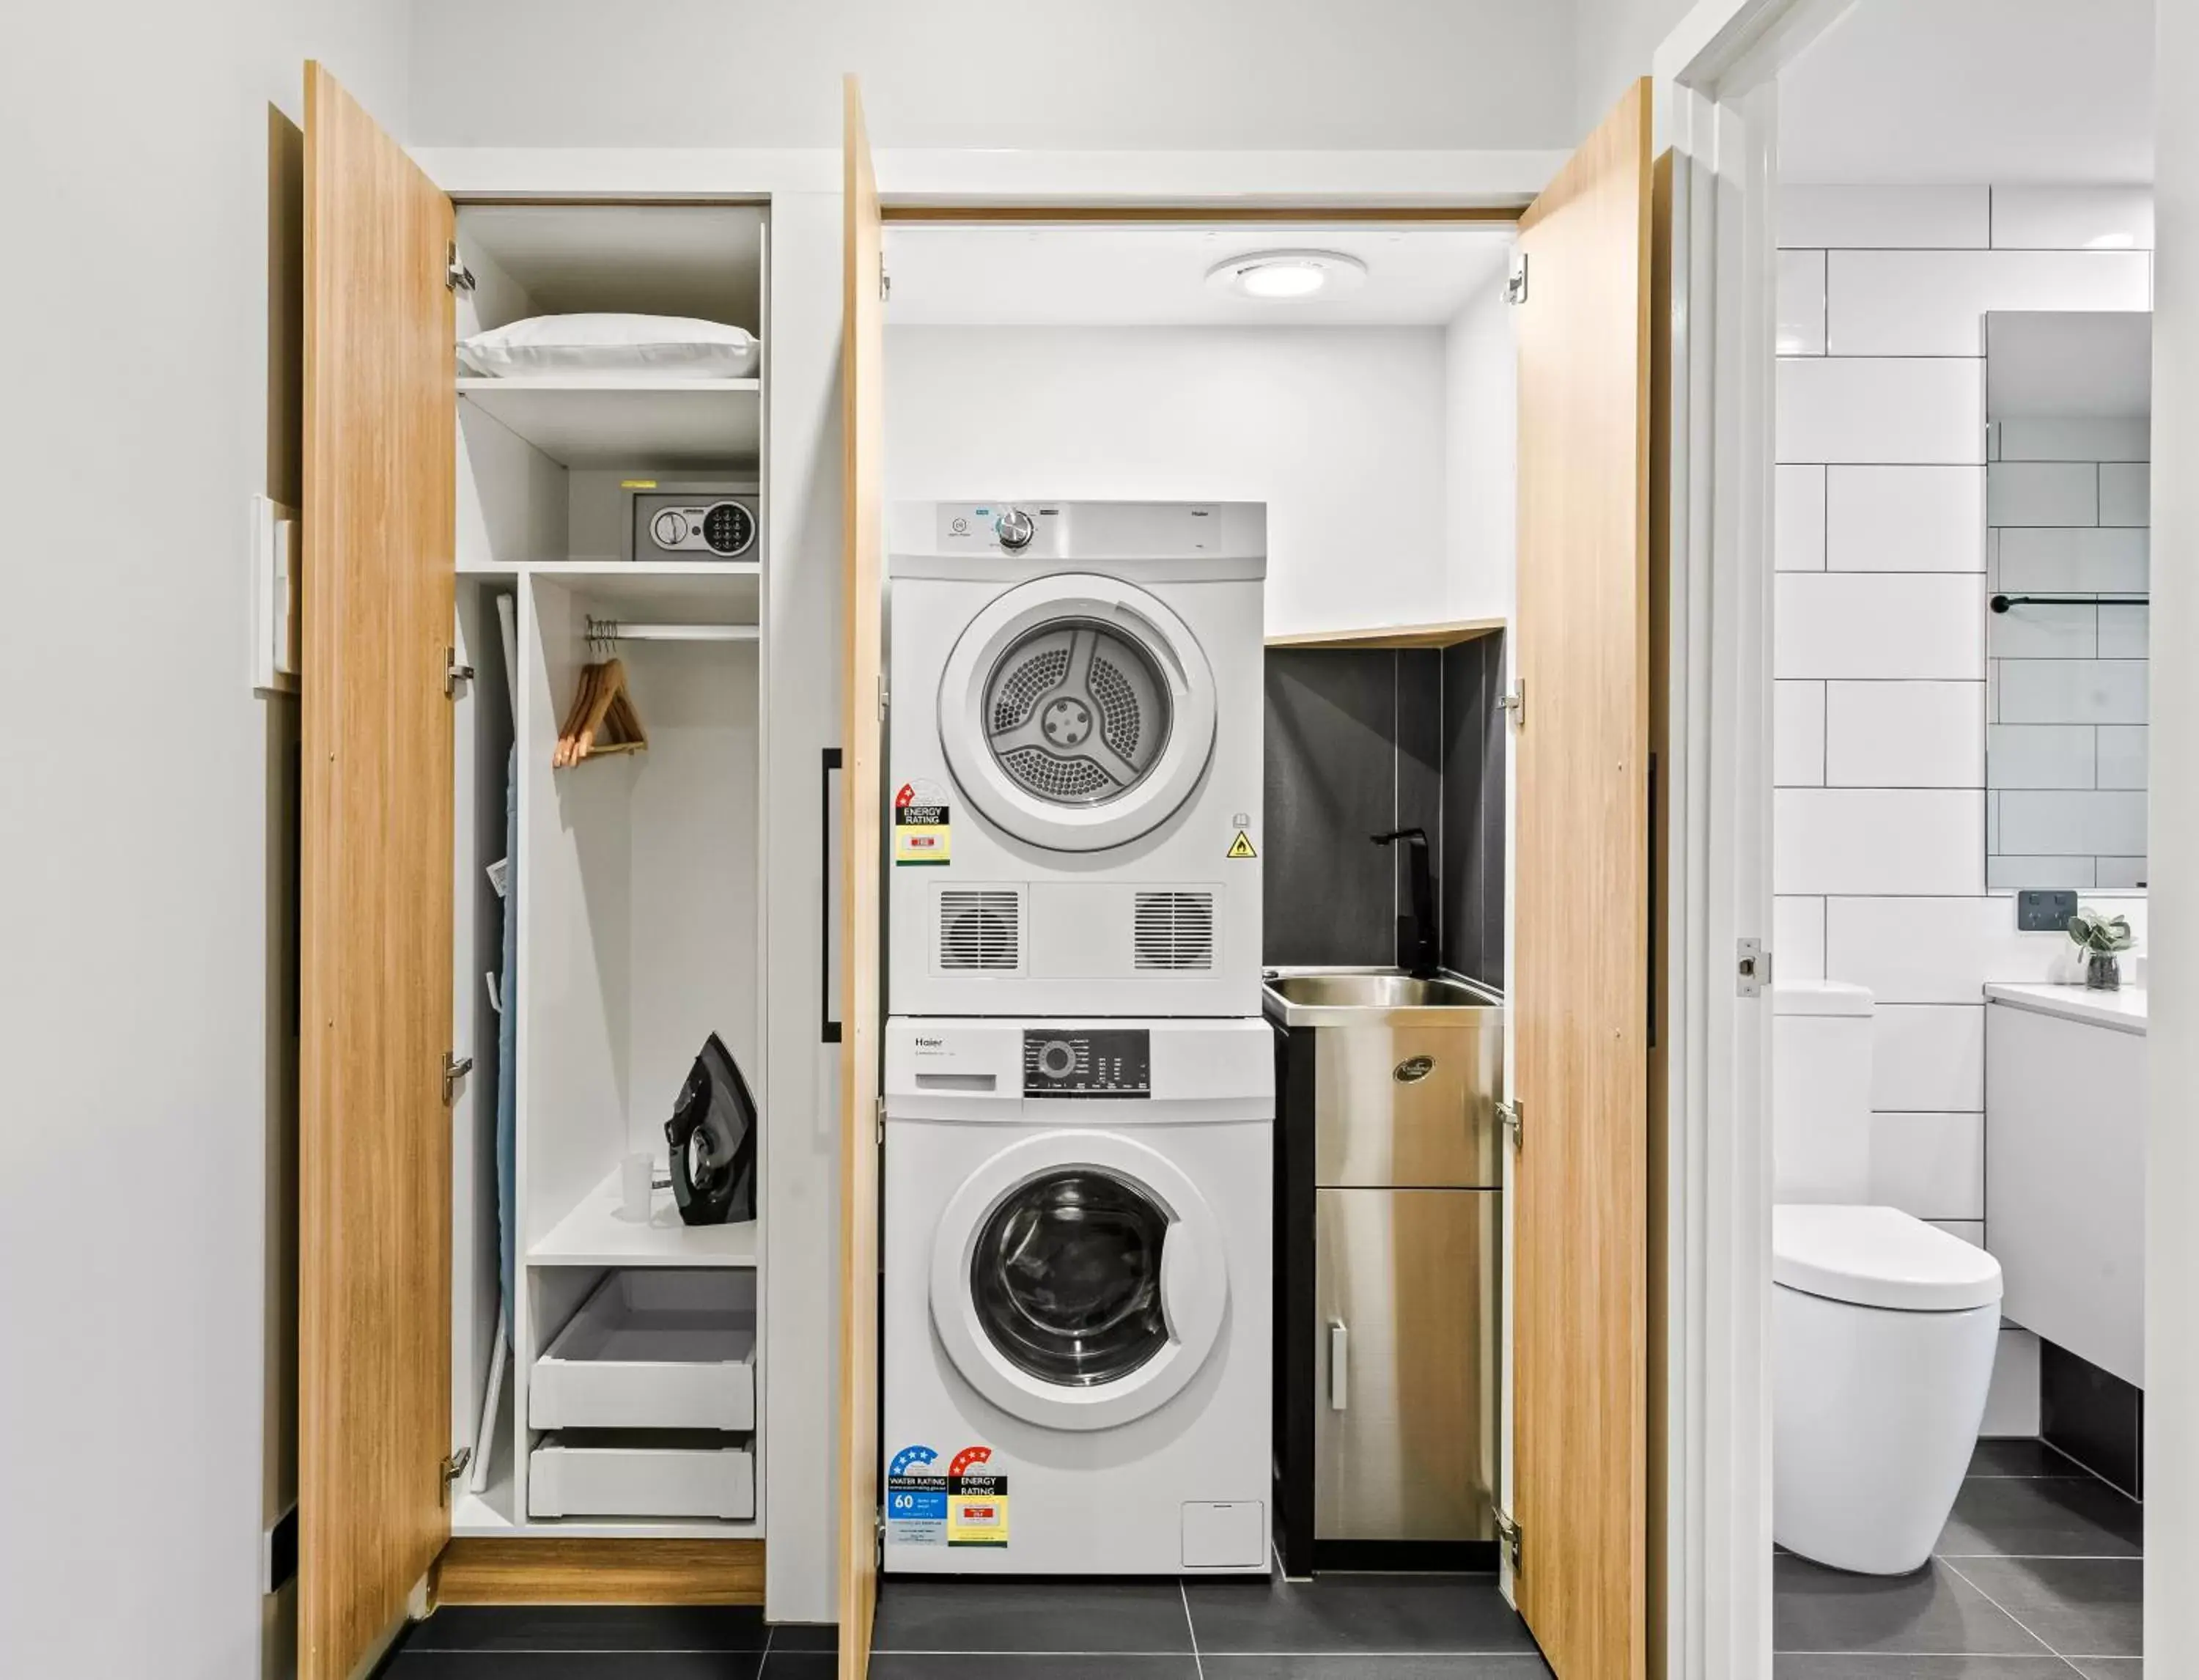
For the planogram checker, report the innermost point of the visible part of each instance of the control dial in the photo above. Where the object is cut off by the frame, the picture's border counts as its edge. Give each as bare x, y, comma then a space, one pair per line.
1015, 529
1056, 1059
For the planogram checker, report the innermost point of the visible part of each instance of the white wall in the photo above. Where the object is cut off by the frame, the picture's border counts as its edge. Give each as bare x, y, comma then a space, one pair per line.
135, 1048
1481, 429
1253, 74
1614, 41
1340, 431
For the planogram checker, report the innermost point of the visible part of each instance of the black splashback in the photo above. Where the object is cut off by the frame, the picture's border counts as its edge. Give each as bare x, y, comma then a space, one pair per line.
1360, 741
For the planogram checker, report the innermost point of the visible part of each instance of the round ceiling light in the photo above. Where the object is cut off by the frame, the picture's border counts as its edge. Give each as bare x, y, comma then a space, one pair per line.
1288, 274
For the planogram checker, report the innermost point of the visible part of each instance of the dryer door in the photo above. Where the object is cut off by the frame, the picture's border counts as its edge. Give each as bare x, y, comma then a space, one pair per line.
1078, 1280
1077, 712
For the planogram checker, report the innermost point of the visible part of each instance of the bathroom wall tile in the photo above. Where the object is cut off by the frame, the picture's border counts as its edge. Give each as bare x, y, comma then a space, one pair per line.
1474, 746
1905, 519
2101, 438
2041, 755
1935, 217
2043, 492
1798, 540
2072, 690
1798, 937
2122, 755
2125, 493
1797, 734
1928, 1057
2047, 561
1420, 737
2012, 1401
1881, 409
2124, 630
1934, 303
1836, 840
2029, 631
1801, 303
1935, 950
1931, 1165
1331, 781
2006, 873
1905, 734
1850, 624
2046, 822
2121, 874
2073, 219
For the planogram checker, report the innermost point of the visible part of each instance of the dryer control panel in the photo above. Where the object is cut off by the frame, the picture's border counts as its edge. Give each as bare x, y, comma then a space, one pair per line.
1088, 1062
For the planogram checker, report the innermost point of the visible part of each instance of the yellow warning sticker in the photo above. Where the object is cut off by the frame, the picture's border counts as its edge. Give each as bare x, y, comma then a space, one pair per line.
637, 484
978, 1520
1241, 847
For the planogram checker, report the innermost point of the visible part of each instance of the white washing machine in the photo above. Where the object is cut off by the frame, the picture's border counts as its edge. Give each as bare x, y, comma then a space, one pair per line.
1078, 1315
1075, 729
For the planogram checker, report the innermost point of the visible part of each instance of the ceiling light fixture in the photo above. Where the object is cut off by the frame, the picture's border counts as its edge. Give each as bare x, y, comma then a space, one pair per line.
1287, 274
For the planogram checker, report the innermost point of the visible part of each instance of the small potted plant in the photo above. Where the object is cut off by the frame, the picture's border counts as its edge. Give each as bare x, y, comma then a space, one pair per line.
2101, 939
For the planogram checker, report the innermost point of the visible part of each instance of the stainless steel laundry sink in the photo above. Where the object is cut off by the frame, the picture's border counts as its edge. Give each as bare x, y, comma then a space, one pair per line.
1326, 997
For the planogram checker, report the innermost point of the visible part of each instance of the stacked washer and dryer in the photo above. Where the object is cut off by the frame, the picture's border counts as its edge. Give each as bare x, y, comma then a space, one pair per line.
1079, 1086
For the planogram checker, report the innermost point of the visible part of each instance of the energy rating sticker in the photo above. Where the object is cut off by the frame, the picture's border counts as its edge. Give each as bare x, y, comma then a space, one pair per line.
922, 831
977, 1505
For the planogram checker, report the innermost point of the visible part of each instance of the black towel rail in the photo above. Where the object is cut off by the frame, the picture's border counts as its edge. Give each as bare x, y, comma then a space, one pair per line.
2001, 604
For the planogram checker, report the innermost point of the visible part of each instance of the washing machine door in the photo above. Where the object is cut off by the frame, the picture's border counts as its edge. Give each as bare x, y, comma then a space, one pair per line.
1078, 1280
1077, 712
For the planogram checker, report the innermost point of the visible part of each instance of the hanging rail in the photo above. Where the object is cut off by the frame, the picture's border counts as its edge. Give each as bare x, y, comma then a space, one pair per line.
2001, 604
605, 632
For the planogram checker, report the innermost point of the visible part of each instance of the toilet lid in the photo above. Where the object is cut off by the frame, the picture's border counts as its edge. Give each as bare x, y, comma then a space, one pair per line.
1879, 1257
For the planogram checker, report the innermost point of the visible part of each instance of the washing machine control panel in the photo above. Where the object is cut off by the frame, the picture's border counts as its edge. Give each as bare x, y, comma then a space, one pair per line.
1088, 1062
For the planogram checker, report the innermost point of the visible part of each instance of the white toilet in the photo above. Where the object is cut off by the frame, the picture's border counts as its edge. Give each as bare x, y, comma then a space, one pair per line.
1882, 1327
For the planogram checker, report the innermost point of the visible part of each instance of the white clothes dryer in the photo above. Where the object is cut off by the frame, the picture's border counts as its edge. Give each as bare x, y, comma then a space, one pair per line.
1074, 759
1078, 1309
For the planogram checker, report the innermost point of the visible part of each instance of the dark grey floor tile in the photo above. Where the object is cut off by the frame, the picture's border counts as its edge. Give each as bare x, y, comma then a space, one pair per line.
1031, 1616
801, 1665
2045, 1516
1933, 1611
2018, 1455
1447, 1666
2108, 1668
591, 1627
804, 1636
2085, 1606
1829, 1666
1345, 1614
414, 1665
939, 1666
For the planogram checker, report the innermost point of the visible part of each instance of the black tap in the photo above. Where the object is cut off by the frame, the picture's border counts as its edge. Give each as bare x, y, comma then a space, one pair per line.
1416, 929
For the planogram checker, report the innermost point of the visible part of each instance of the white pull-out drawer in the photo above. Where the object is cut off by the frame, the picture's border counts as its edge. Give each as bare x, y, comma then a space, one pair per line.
653, 1348
682, 1475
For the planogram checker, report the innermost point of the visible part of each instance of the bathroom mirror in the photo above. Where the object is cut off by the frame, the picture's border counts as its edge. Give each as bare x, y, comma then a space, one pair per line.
2069, 407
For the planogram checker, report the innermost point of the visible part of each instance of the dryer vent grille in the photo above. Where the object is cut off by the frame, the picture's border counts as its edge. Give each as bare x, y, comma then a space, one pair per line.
980, 932
1175, 930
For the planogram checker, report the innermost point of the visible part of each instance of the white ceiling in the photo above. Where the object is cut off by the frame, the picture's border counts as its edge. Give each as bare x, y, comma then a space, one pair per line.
2011, 90
1081, 275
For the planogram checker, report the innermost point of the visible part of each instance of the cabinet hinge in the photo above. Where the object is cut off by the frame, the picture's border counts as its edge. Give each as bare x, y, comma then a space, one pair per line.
455, 671
455, 1068
1511, 1540
1515, 279
878, 1536
454, 1467
885, 699
1513, 1114
1752, 968
1515, 704
456, 275
885, 282
879, 1116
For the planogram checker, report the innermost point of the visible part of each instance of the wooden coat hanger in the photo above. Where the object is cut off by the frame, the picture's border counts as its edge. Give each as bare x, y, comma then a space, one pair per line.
602, 721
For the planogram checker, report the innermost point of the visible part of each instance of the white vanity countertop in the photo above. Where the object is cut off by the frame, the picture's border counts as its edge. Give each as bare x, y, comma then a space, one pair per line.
2124, 1011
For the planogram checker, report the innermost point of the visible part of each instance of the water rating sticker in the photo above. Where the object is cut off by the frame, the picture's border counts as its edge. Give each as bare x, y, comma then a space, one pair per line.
922, 825
916, 1503
976, 1502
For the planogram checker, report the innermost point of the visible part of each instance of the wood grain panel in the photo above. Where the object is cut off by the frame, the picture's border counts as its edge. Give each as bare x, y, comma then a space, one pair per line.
1580, 978
1279, 213
1446, 633
863, 358
374, 1325
543, 1570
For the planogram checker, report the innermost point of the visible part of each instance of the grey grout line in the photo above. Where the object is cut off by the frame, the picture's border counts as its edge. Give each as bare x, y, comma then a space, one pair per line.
1191, 1627
2012, 1616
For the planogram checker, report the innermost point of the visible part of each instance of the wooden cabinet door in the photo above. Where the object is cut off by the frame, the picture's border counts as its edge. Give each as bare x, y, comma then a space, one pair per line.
862, 602
374, 1296
1581, 909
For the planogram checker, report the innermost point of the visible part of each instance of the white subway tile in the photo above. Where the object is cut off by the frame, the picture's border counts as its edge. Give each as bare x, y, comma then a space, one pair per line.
1877, 840
2124, 630
2121, 873
2043, 492
1934, 303
1934, 216
1993, 821
2071, 691
2122, 749
2029, 630
2054, 561
2098, 438
1874, 408
1905, 519
1935, 950
2041, 755
1797, 938
1878, 624
1905, 734
2006, 873
1801, 303
1931, 1165
2012, 1401
2125, 493
1798, 542
1927, 1056
2073, 219
1797, 734
2048, 822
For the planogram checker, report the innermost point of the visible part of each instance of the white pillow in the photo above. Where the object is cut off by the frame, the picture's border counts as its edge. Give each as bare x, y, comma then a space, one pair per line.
610, 344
